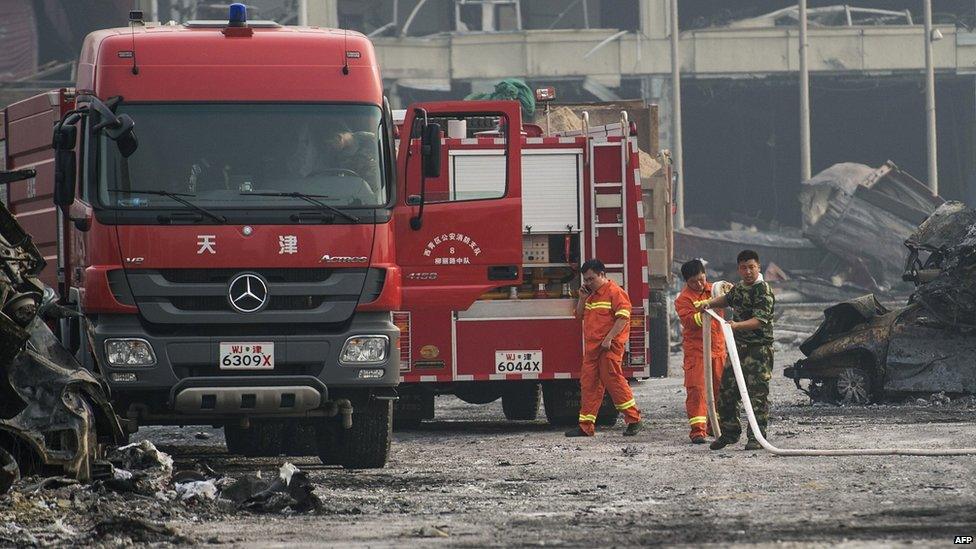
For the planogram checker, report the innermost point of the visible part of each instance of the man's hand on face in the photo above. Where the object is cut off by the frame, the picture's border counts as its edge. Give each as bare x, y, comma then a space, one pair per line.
583, 292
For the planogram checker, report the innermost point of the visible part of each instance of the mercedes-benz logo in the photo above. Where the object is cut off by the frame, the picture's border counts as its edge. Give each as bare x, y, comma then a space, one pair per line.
247, 293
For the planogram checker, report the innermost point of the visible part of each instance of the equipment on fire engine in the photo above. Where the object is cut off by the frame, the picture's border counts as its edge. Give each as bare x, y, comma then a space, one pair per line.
539, 281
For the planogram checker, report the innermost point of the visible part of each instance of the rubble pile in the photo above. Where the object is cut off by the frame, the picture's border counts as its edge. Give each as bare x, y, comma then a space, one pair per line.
855, 222
923, 347
140, 501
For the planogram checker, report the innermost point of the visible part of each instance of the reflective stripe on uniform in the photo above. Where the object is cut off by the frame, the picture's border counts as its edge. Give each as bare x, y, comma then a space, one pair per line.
629, 404
698, 419
587, 419
598, 305
624, 313
698, 319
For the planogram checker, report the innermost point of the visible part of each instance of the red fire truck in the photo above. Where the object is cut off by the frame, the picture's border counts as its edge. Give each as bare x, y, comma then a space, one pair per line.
581, 198
232, 221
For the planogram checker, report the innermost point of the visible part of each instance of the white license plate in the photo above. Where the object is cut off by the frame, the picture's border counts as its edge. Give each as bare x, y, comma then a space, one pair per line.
518, 362
247, 356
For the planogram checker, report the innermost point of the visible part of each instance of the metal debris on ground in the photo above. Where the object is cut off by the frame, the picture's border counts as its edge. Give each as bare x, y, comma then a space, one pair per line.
863, 352
138, 505
55, 416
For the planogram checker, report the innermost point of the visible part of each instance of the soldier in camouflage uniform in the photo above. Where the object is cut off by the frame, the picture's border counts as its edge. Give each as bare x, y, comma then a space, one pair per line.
752, 304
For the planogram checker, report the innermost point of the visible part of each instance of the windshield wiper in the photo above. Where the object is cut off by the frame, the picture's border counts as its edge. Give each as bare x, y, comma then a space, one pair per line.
178, 197
311, 199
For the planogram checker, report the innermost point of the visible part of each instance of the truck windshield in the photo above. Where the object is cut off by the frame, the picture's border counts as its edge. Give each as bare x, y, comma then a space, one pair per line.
247, 156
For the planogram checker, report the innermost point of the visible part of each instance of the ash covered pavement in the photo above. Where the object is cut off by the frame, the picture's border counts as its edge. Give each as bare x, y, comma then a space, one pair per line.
473, 479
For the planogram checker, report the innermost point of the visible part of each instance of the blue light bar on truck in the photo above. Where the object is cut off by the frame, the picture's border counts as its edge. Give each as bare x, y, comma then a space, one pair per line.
237, 16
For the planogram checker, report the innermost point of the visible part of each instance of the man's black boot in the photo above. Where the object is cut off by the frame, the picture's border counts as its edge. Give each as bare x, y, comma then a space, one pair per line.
719, 443
577, 432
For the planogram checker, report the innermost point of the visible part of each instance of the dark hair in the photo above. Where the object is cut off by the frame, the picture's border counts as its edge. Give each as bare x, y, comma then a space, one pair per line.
692, 268
594, 265
746, 255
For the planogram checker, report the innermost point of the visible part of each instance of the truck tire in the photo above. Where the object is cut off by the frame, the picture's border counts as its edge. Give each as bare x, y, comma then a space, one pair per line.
561, 401
608, 414
520, 400
413, 407
298, 439
261, 439
364, 446
658, 333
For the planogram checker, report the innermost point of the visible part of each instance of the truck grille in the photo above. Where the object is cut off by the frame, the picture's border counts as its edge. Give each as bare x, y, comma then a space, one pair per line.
223, 276
197, 297
276, 303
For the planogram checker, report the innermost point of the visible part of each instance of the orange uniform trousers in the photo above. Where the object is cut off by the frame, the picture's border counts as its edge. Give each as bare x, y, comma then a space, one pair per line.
695, 403
602, 372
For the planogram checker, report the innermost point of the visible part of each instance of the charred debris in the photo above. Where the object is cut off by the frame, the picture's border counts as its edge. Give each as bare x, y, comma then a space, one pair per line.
55, 416
863, 352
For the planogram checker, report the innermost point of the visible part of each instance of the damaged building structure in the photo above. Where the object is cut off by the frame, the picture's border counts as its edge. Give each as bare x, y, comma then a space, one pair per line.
738, 65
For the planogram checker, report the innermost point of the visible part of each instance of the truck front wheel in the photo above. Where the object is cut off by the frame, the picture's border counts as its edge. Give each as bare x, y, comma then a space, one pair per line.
366, 445
261, 439
520, 400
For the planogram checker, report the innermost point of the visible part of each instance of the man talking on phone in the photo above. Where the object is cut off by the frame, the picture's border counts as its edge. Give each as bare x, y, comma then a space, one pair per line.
605, 309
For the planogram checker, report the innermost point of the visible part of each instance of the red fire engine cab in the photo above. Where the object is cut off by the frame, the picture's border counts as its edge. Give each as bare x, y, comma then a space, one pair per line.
224, 207
581, 198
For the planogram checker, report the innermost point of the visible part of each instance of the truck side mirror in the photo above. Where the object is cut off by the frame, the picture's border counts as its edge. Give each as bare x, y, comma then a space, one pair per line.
65, 168
430, 150
125, 136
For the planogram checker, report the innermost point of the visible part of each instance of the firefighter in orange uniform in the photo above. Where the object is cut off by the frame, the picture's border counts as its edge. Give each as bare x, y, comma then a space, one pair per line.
697, 288
605, 309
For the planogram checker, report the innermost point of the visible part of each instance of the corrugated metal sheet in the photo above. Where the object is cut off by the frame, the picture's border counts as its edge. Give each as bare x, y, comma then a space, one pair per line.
18, 39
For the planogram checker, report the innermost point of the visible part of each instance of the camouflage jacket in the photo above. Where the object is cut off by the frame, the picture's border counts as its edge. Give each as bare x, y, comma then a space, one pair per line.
754, 301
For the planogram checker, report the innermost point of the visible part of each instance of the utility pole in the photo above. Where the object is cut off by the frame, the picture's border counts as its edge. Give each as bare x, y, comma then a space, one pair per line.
676, 152
933, 160
805, 161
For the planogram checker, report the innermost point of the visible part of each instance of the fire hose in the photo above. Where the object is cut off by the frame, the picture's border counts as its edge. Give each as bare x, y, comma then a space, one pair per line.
750, 414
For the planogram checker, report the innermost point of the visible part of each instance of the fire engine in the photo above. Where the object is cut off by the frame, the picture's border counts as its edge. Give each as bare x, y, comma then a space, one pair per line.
581, 198
223, 205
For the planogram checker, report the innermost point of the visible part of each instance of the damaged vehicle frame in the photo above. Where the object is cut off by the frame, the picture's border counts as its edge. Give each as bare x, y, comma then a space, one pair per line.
864, 353
55, 416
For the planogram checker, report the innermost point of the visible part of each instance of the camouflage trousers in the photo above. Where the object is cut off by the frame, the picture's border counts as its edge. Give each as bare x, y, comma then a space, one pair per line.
757, 368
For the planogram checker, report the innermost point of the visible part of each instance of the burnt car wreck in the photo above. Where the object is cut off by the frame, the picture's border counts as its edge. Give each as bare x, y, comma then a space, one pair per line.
55, 416
863, 352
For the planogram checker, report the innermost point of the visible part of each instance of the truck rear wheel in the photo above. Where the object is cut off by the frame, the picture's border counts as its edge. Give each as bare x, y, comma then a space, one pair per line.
261, 439
658, 333
520, 400
561, 401
562, 404
413, 407
608, 414
366, 445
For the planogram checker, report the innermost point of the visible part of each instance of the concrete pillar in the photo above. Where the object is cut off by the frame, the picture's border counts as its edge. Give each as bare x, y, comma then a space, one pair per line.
320, 13
654, 18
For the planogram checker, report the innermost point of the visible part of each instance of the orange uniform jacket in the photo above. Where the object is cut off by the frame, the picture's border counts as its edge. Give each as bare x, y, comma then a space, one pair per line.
603, 308
691, 322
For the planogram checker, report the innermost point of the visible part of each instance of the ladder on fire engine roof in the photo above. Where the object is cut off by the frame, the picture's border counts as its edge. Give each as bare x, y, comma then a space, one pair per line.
619, 207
